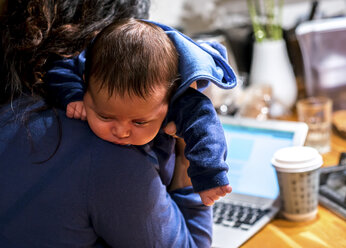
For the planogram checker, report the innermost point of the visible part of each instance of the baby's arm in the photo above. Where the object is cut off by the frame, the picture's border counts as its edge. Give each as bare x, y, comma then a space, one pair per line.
208, 196
197, 122
65, 85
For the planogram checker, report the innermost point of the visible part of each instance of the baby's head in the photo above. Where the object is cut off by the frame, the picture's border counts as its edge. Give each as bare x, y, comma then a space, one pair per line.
131, 70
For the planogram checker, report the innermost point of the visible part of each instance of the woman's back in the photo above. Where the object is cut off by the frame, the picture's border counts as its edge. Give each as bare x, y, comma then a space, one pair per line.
53, 203
90, 193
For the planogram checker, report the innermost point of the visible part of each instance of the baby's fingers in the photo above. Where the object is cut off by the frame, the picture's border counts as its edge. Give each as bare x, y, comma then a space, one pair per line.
226, 189
209, 196
78, 111
223, 190
206, 200
70, 111
83, 116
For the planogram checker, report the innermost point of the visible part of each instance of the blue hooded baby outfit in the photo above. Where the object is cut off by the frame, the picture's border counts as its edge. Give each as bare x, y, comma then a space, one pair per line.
191, 111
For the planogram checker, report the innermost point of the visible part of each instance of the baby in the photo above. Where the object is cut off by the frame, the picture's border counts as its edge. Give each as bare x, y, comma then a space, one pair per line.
132, 89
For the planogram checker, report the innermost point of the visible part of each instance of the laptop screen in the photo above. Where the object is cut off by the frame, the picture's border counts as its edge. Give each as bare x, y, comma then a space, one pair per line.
251, 172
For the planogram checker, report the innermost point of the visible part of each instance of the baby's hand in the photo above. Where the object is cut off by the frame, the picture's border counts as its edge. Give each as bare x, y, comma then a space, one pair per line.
209, 196
76, 110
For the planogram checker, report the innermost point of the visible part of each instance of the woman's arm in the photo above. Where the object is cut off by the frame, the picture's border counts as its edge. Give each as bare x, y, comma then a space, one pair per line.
182, 194
180, 178
130, 207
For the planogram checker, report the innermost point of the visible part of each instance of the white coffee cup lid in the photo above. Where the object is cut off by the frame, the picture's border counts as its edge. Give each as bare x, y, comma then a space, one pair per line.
297, 159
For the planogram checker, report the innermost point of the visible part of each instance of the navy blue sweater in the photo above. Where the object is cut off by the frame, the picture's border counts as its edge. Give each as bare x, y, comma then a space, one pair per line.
192, 112
91, 193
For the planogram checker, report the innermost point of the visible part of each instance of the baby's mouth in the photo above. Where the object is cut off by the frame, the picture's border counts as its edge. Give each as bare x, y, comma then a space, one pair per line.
121, 144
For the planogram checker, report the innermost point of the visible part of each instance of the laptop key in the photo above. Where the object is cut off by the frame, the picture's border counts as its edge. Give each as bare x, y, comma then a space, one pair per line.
228, 223
237, 224
245, 227
237, 216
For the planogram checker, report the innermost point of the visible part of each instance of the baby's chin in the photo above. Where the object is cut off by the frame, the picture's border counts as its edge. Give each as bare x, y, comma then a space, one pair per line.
121, 144
128, 142
132, 143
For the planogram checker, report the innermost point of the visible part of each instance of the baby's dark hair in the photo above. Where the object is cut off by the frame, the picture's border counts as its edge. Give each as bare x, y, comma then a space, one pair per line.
132, 57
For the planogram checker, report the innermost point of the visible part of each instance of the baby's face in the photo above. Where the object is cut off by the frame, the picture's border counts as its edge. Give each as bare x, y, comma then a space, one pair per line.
125, 120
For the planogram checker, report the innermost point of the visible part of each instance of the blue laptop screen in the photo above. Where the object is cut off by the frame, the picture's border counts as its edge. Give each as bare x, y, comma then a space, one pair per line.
250, 150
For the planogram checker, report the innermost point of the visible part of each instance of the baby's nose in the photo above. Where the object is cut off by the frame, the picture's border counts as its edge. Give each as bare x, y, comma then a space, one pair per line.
121, 132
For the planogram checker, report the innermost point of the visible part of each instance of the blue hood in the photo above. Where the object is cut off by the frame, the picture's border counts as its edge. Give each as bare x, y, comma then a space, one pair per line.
203, 62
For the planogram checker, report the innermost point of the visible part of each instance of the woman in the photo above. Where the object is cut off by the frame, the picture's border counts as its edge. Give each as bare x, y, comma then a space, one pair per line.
60, 185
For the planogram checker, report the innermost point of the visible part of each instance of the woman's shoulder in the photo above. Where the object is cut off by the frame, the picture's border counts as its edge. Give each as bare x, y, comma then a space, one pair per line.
55, 136
100, 153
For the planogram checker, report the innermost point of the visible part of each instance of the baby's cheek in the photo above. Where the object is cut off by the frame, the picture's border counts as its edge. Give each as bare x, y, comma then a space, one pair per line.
97, 128
141, 137
154, 131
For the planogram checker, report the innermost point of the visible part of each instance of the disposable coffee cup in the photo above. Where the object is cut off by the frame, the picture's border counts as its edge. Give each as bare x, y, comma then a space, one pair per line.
297, 170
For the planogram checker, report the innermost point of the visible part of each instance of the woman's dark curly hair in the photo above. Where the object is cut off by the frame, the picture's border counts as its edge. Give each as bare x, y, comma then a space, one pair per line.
35, 32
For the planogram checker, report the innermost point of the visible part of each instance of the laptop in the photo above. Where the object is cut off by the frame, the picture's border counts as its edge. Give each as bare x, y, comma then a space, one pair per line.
255, 190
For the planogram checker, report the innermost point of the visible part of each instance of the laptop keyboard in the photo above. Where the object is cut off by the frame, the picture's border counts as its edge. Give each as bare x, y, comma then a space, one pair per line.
237, 216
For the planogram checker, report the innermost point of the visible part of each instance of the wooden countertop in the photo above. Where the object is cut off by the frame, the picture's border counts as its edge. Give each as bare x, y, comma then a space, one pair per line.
327, 230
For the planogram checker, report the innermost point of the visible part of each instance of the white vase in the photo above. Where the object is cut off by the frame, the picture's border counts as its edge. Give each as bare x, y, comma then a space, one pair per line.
271, 66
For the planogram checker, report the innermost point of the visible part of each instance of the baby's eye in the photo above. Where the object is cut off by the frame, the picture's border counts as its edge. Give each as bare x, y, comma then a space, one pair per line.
140, 123
103, 117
